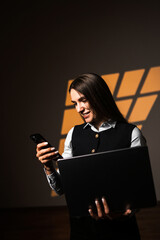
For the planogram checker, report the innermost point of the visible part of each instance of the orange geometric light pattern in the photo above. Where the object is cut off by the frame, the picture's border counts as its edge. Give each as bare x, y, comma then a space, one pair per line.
135, 98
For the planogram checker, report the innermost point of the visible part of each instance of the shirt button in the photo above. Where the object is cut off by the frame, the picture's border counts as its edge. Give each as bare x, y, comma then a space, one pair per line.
96, 136
93, 150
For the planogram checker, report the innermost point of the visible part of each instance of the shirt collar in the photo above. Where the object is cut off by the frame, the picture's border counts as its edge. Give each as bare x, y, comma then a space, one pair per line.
108, 123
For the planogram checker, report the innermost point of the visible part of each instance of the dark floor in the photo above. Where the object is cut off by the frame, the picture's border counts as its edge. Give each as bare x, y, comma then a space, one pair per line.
53, 223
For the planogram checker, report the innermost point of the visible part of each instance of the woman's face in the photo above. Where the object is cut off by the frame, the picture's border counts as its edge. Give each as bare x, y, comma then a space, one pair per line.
82, 106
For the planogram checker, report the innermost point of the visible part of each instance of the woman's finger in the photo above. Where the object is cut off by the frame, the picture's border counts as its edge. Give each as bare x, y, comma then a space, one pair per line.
48, 156
99, 209
44, 151
92, 214
41, 145
105, 205
127, 212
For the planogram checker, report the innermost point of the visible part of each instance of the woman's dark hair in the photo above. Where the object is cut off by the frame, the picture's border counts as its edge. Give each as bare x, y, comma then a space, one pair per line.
96, 91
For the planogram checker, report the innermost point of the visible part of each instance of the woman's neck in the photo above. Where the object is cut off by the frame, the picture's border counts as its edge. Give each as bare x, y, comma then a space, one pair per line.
97, 124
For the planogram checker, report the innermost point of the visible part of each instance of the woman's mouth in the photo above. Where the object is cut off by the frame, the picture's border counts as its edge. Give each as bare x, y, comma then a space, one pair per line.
85, 115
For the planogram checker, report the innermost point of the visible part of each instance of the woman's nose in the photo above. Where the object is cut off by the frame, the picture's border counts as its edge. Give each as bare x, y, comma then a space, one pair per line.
79, 107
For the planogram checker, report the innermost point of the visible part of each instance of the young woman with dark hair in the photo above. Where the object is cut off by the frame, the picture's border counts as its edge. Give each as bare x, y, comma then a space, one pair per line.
104, 129
98, 94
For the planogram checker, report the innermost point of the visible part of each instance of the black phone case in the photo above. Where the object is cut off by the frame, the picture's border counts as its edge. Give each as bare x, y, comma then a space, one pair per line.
38, 138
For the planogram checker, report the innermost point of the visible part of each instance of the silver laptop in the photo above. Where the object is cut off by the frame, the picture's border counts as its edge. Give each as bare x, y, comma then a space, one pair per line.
123, 177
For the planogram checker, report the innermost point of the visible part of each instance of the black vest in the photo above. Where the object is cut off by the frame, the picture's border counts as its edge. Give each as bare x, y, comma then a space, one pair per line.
85, 141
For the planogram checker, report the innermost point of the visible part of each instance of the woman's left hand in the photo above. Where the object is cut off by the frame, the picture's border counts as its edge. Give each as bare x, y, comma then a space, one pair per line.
103, 212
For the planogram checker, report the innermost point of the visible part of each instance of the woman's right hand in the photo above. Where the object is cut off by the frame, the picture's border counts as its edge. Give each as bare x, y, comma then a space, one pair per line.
104, 212
45, 155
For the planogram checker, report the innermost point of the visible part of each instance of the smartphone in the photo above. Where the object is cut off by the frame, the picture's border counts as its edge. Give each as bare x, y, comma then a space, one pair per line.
38, 138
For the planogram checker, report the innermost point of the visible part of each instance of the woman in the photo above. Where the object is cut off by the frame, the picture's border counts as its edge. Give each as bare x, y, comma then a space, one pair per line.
104, 129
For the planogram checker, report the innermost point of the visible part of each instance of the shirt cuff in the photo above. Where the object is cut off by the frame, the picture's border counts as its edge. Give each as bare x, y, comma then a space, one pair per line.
55, 182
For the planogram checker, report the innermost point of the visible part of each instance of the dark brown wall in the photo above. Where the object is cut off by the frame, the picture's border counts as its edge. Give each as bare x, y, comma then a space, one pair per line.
45, 45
